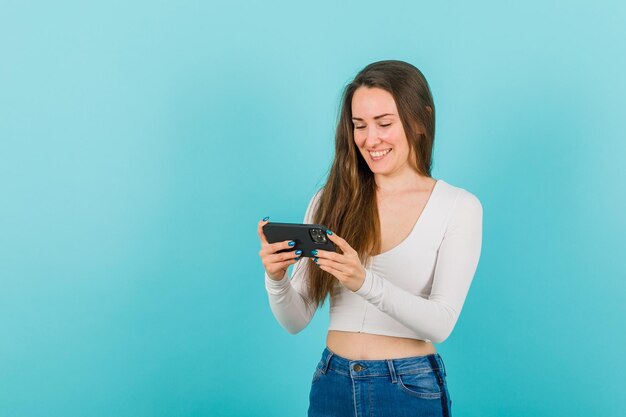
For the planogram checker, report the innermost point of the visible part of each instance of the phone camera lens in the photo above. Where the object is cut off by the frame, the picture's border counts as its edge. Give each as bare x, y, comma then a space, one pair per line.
317, 235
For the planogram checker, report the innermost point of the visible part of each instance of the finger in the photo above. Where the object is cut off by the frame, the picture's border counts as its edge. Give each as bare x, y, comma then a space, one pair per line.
273, 248
340, 242
279, 261
283, 256
285, 264
260, 231
337, 257
335, 272
342, 268
267, 254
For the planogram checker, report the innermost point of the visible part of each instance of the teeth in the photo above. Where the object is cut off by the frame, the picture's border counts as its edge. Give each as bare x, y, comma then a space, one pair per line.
380, 153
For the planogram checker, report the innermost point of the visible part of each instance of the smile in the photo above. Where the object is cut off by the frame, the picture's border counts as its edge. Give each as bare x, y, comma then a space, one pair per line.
379, 154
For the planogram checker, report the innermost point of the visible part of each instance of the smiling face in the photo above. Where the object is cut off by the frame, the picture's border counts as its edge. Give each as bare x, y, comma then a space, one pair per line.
378, 131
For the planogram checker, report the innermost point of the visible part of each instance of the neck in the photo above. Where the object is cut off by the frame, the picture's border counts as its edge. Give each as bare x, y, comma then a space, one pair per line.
399, 182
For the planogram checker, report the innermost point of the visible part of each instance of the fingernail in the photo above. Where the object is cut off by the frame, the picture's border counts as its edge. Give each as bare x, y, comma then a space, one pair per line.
265, 218
298, 252
314, 251
329, 232
315, 260
292, 243
298, 258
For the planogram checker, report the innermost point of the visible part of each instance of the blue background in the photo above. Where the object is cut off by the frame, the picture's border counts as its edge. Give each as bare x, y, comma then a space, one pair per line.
141, 142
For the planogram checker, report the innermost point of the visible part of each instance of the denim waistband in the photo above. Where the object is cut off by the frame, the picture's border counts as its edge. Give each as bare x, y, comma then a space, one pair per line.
364, 368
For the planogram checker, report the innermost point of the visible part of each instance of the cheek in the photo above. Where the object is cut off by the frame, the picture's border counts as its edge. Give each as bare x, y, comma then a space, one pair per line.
396, 137
359, 138
395, 133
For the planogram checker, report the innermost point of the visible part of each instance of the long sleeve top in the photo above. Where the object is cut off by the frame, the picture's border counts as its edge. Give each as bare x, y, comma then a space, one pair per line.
414, 290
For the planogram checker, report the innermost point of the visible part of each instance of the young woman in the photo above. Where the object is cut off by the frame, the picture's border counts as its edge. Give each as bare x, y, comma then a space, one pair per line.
408, 244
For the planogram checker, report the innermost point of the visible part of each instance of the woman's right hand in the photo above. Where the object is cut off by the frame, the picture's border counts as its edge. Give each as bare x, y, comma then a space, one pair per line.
275, 264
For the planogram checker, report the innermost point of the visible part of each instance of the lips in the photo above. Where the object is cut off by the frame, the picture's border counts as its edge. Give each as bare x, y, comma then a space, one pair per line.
378, 155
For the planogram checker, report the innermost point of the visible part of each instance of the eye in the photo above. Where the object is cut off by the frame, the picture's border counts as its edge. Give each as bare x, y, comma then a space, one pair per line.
388, 124
359, 127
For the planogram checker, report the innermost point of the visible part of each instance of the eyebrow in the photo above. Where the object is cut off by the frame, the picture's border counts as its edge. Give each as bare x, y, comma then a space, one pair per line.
375, 117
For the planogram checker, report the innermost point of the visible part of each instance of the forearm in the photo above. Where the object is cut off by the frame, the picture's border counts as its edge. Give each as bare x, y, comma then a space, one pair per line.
429, 319
289, 298
289, 307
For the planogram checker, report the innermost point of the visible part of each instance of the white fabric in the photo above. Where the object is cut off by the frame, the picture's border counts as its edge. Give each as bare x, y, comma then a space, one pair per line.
415, 290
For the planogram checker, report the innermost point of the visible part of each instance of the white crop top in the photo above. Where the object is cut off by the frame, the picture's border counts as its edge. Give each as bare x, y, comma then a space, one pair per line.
414, 290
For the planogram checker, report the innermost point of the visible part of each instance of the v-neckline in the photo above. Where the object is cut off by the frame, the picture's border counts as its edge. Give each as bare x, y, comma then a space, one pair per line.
419, 219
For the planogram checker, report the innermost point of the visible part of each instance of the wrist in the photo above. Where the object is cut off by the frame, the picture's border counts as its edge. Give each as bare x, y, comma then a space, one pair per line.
365, 288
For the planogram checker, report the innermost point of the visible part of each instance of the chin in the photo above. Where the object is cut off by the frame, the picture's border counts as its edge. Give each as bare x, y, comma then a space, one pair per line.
376, 170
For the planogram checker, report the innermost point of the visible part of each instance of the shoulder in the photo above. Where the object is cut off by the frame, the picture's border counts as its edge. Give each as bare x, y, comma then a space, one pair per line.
461, 196
315, 198
312, 206
464, 206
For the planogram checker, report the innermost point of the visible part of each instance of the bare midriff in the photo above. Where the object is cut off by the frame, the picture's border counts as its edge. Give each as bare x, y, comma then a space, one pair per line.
366, 346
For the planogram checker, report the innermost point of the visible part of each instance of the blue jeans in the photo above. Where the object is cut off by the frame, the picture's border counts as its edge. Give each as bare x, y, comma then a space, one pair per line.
412, 386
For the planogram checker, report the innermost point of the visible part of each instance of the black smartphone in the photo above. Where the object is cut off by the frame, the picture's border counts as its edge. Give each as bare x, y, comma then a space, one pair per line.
306, 236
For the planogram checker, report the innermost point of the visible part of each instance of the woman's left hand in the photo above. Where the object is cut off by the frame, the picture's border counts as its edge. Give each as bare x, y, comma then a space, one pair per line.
346, 266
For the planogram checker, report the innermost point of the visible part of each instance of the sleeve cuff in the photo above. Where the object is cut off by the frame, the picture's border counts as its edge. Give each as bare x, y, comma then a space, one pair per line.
272, 285
367, 284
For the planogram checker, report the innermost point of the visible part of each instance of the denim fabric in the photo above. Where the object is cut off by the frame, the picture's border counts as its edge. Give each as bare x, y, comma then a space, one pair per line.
412, 386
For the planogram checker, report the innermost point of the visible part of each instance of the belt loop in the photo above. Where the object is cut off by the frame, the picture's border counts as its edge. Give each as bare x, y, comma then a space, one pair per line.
443, 365
434, 364
392, 370
330, 355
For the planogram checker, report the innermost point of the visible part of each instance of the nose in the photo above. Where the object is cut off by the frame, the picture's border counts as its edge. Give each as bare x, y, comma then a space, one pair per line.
373, 137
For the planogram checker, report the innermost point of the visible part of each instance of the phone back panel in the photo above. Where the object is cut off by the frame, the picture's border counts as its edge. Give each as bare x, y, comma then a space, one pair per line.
302, 234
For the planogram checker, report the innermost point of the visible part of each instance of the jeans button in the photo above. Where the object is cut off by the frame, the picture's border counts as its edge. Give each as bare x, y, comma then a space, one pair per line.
358, 368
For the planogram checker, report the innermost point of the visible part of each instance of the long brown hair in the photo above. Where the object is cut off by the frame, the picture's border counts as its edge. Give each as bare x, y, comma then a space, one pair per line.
347, 202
